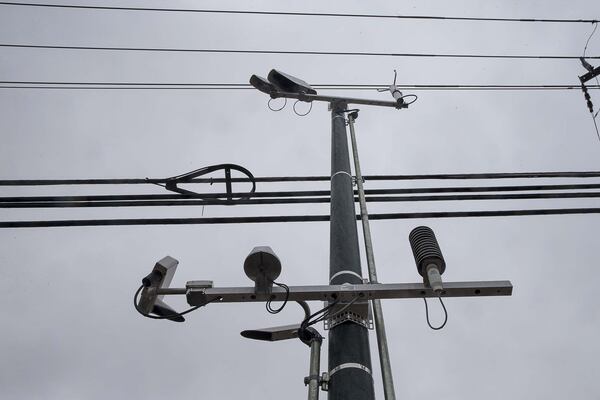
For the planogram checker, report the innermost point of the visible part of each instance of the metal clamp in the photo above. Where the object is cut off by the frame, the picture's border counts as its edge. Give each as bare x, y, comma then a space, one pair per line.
345, 272
342, 172
323, 380
350, 365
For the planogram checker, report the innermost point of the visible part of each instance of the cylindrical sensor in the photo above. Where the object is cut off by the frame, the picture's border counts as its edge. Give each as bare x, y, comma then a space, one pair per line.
263, 267
426, 250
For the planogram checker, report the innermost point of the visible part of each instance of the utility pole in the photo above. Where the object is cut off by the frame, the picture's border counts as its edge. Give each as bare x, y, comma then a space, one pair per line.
349, 353
349, 375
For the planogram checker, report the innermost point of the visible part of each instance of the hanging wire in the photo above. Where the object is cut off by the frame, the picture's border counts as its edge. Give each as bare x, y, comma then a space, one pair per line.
170, 316
436, 328
272, 310
589, 38
277, 109
412, 96
299, 114
325, 313
597, 82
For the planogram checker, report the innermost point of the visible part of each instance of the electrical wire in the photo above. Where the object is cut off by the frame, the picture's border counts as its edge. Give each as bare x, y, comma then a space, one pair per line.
325, 313
589, 38
320, 178
583, 85
291, 52
137, 308
272, 310
303, 193
302, 200
243, 86
412, 96
291, 218
303, 14
437, 328
330, 315
302, 114
308, 321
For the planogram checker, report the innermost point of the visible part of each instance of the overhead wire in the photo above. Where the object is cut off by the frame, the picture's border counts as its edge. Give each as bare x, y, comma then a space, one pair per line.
241, 86
303, 193
304, 200
290, 218
291, 52
303, 14
598, 83
317, 178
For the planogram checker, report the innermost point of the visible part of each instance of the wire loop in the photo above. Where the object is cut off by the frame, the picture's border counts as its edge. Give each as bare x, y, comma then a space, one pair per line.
413, 96
276, 109
437, 328
272, 310
170, 316
299, 114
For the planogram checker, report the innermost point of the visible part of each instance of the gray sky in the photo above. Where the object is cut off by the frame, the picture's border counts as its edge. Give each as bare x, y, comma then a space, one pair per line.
70, 330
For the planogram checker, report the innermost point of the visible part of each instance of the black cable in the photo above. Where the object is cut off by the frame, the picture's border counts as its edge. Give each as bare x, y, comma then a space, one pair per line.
308, 321
133, 181
276, 109
330, 315
303, 193
303, 14
137, 308
412, 96
589, 38
300, 114
584, 87
302, 200
427, 315
243, 86
272, 310
292, 52
291, 218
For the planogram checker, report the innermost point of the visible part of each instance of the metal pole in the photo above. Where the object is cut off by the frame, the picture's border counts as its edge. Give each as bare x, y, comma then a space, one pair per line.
384, 356
349, 355
314, 369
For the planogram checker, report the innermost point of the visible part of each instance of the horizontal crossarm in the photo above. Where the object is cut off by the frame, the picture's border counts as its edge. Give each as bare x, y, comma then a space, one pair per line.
202, 295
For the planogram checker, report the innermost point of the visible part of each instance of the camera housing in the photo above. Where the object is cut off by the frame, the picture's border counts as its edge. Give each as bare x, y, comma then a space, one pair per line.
150, 301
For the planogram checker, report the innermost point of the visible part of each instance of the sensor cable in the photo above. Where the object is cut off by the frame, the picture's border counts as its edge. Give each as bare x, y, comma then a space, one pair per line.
272, 310
427, 314
137, 308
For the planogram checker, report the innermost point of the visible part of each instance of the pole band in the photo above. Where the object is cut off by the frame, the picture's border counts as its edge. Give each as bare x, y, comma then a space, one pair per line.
341, 172
350, 365
345, 272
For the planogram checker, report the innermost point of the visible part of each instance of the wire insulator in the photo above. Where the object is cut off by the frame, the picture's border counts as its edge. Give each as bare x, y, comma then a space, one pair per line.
588, 99
426, 250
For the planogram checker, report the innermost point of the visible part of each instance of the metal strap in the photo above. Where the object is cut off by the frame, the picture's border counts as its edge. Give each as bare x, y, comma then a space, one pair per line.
350, 365
341, 172
345, 272
340, 116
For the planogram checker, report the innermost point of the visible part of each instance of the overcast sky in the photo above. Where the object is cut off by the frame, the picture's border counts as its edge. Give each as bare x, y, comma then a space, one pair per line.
69, 327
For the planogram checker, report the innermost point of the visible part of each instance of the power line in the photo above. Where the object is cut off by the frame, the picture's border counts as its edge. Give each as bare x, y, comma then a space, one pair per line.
321, 178
244, 86
304, 200
293, 52
289, 218
302, 14
304, 193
